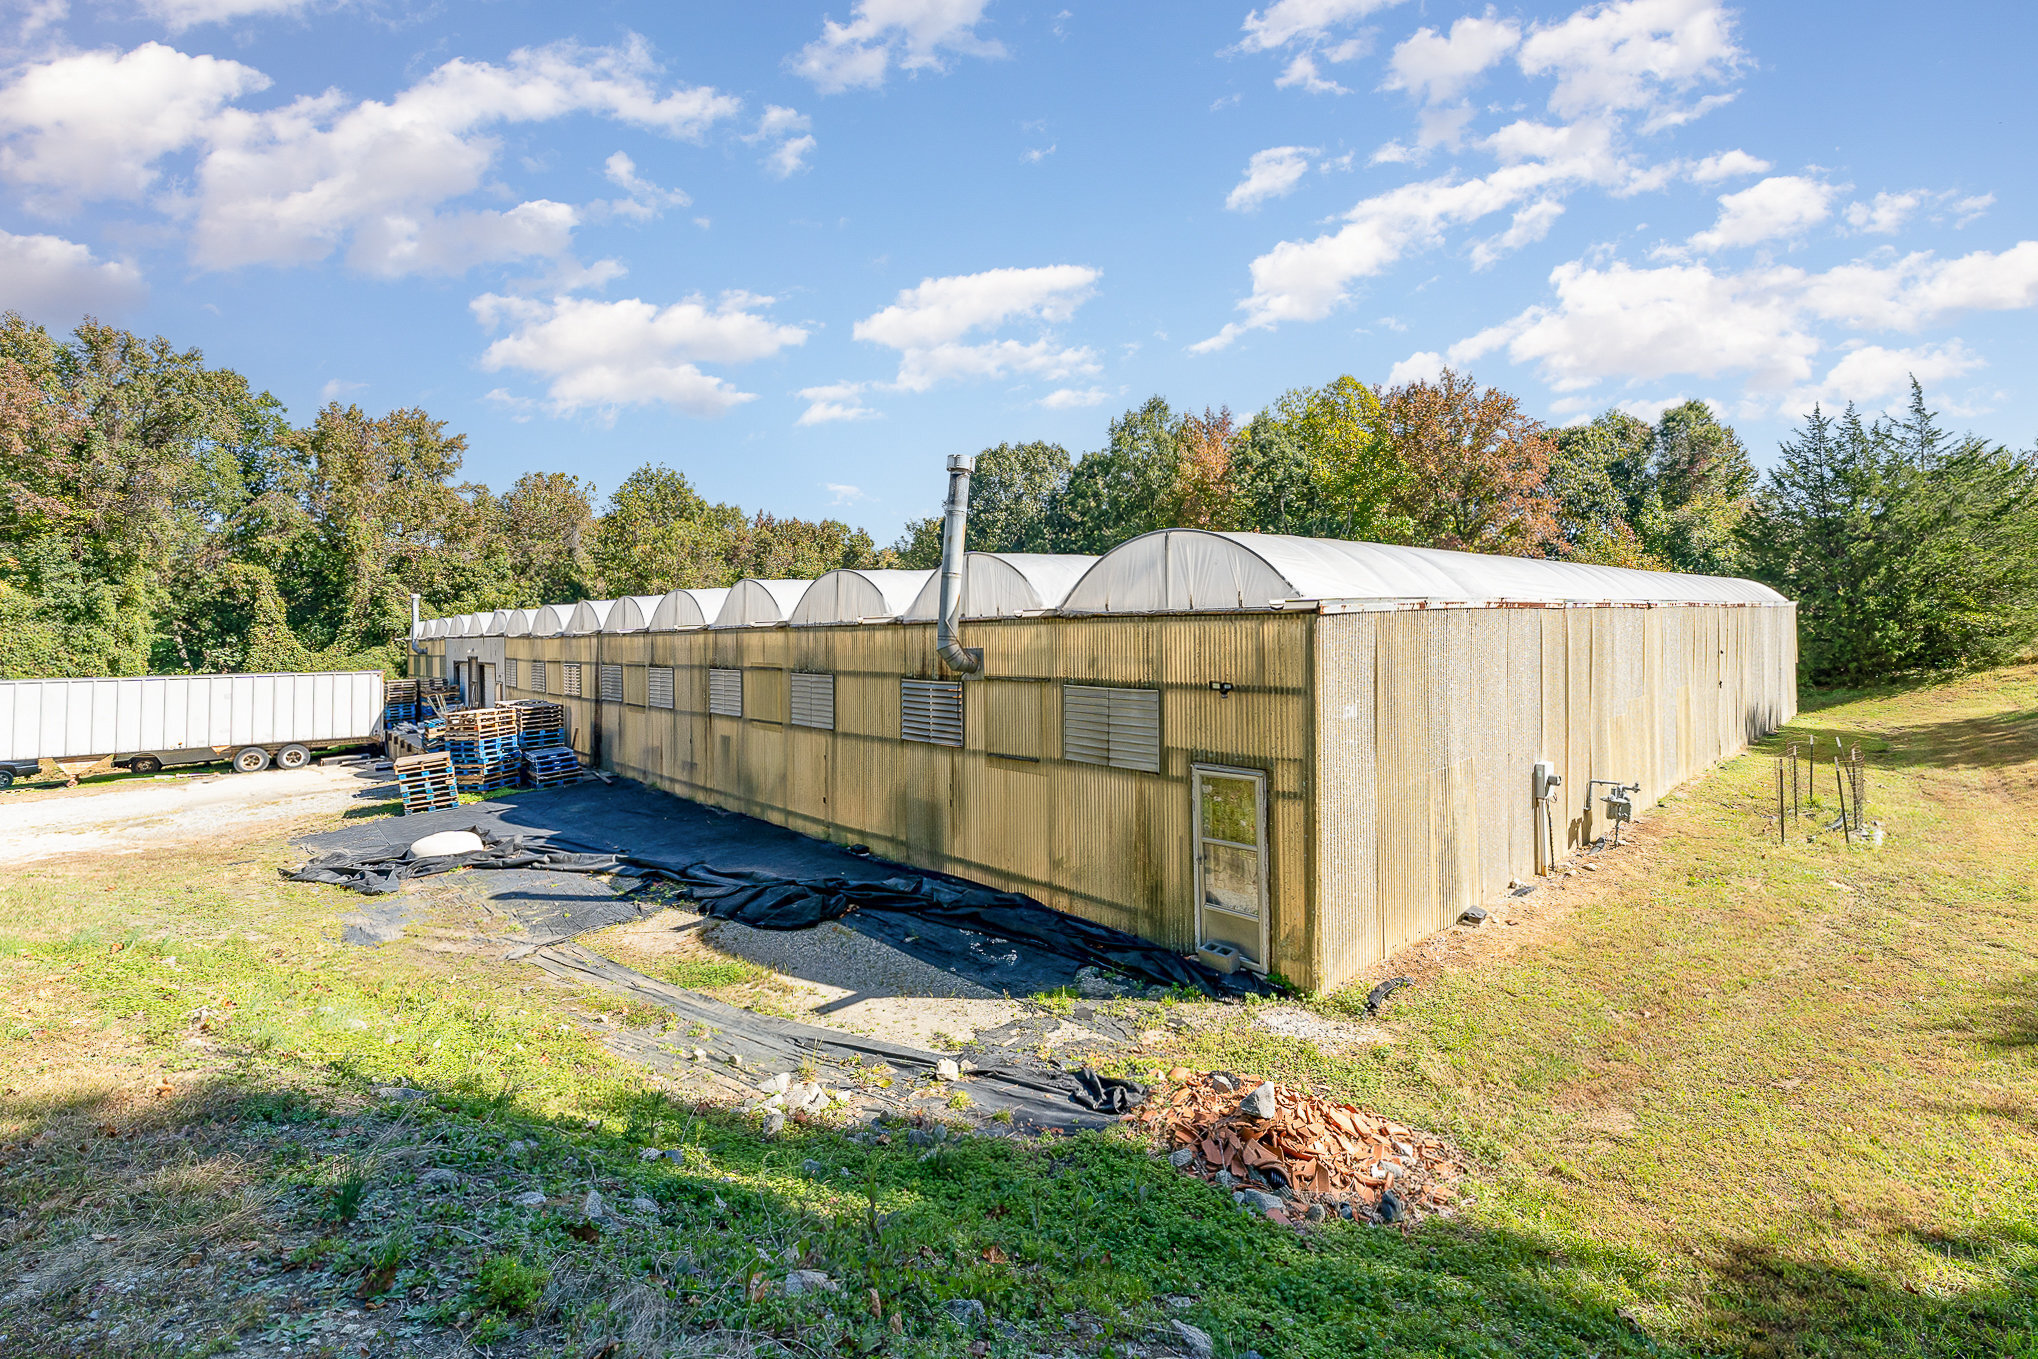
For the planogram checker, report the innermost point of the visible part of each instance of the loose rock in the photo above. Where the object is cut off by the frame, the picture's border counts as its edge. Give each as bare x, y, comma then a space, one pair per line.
803, 1281
947, 1070
1194, 1339
438, 1179
965, 1311
1183, 1159
647, 1207
1260, 1103
533, 1199
592, 1206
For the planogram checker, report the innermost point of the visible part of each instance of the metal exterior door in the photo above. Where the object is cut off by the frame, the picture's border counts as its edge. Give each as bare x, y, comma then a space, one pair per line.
1231, 860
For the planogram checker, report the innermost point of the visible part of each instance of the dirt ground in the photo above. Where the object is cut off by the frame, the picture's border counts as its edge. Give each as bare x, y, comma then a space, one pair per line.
169, 810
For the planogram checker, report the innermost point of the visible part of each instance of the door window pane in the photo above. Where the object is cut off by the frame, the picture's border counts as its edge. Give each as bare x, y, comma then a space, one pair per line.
1229, 810
1231, 879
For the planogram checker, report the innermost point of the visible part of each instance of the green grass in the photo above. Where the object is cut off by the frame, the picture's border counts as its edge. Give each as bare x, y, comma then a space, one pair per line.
1715, 1105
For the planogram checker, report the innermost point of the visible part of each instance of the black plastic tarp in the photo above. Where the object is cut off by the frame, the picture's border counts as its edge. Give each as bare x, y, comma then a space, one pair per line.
773, 901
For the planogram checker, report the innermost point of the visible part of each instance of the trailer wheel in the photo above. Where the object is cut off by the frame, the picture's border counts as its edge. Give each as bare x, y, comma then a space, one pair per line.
250, 760
293, 757
145, 764
6, 778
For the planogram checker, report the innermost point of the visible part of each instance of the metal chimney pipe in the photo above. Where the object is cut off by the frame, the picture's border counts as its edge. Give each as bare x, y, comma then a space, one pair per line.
415, 648
955, 517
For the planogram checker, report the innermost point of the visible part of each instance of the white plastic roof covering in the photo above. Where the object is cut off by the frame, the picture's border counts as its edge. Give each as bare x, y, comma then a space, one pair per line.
550, 621
1004, 584
490, 624
588, 616
847, 596
470, 624
632, 613
499, 622
518, 623
687, 609
760, 601
1183, 570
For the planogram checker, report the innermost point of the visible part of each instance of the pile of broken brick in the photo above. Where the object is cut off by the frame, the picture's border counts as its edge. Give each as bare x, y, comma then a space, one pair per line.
1297, 1158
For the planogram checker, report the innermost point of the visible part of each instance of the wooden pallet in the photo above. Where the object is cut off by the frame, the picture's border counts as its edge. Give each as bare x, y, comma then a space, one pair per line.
552, 766
426, 782
482, 722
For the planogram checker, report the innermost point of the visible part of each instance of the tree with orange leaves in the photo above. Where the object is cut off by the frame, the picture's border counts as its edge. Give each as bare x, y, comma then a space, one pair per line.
1475, 469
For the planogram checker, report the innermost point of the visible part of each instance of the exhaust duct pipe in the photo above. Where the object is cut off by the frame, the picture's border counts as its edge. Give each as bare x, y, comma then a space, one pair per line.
955, 518
415, 649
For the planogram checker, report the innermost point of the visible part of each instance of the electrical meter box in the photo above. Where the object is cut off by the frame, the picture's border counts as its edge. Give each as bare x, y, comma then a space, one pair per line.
1546, 779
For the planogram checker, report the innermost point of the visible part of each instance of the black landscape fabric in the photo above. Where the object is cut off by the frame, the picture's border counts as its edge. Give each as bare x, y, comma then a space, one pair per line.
769, 901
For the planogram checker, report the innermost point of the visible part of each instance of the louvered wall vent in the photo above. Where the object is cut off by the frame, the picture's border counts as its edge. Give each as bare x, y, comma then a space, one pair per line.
813, 701
538, 677
725, 693
569, 678
611, 683
1117, 727
930, 711
658, 686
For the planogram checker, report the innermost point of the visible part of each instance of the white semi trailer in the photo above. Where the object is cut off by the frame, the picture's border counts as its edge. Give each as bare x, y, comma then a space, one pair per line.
149, 722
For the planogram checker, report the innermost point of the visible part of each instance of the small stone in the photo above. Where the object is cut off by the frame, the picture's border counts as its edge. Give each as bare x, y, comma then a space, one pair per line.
1226, 1180
1473, 915
700, 1054
1391, 1209
803, 1281
1344, 1210
533, 1199
1183, 1159
1259, 1201
398, 1093
1220, 1081
965, 1311
776, 1085
438, 1179
1260, 1103
775, 1124
806, 1095
1194, 1339
592, 1206
947, 1070
519, 1147
650, 1154
1406, 1151
647, 1207
1316, 1213
813, 1169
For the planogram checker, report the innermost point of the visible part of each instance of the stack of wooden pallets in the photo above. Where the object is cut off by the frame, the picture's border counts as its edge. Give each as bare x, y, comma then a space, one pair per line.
399, 701
539, 723
551, 766
483, 745
426, 782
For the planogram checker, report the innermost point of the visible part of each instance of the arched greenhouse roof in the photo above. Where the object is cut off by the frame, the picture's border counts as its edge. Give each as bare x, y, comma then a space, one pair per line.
518, 624
1194, 570
849, 596
687, 609
588, 616
752, 601
632, 613
550, 621
1005, 584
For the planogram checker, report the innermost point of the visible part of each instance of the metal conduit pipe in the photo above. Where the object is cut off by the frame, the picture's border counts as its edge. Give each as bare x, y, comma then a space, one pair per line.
955, 517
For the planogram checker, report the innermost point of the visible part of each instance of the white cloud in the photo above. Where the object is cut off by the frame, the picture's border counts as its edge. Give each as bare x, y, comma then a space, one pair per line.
1038, 154
844, 495
58, 282
1530, 224
1422, 366
1434, 67
1871, 373
926, 325
335, 388
1887, 214
1652, 323
837, 401
1779, 206
294, 184
1766, 324
1302, 73
644, 198
1272, 173
178, 15
93, 125
1074, 398
788, 128
1733, 164
1302, 21
605, 355
880, 34
1627, 55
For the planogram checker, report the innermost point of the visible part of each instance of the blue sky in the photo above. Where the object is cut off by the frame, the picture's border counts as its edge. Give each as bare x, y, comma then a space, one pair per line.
803, 251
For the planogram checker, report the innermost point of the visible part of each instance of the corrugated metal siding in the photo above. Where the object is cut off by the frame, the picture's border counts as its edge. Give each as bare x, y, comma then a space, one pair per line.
1463, 702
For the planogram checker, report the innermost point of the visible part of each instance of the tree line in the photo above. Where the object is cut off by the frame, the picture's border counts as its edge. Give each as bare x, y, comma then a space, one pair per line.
162, 515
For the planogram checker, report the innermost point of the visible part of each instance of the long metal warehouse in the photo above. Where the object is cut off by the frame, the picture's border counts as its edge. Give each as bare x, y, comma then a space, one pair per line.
1309, 751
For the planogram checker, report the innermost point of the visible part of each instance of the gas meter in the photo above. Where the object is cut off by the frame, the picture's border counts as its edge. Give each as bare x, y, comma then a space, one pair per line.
1619, 801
